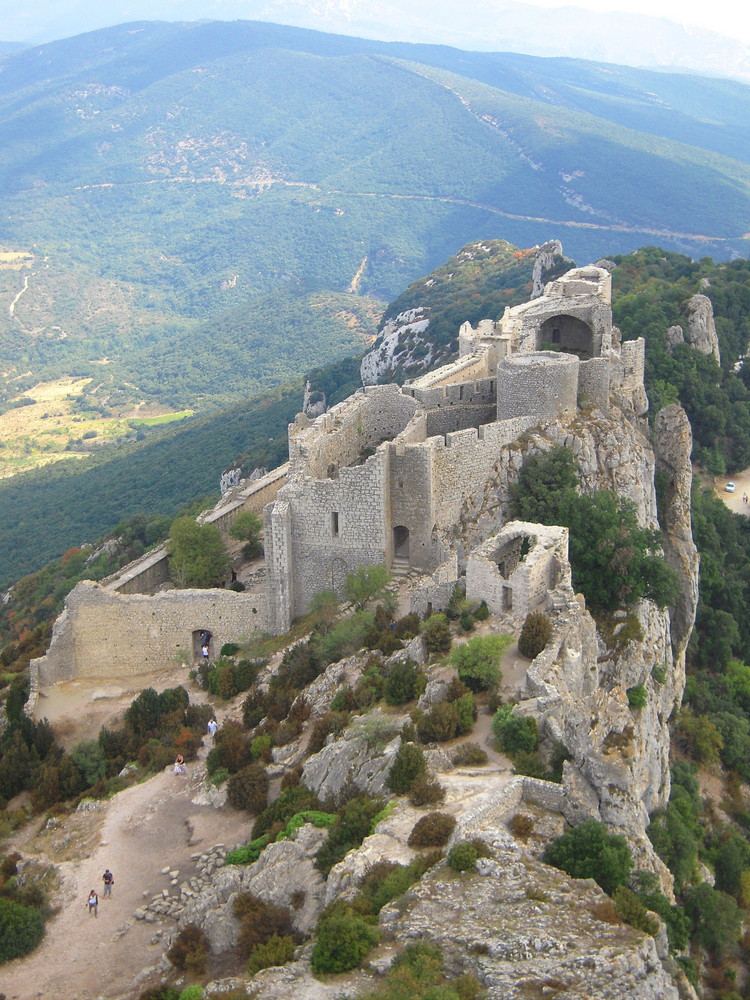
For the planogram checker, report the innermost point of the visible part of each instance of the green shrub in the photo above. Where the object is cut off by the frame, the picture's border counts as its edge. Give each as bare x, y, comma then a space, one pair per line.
426, 792
659, 674
436, 635
229, 649
248, 853
432, 830
259, 921
535, 634
275, 951
408, 766
21, 929
292, 800
248, 788
331, 722
189, 951
353, 823
403, 683
637, 696
477, 661
462, 857
468, 754
715, 917
343, 941
633, 912
514, 733
194, 992
482, 613
590, 851
521, 826
438, 725
466, 621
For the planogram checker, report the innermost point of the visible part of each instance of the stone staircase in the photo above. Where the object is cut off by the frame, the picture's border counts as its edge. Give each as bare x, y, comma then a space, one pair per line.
400, 566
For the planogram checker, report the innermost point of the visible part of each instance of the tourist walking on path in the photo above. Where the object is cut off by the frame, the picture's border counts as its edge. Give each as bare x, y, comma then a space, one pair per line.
179, 765
213, 725
109, 880
93, 903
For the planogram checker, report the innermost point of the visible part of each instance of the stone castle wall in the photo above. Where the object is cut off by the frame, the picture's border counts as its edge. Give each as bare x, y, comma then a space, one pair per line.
252, 496
498, 572
107, 634
543, 384
338, 438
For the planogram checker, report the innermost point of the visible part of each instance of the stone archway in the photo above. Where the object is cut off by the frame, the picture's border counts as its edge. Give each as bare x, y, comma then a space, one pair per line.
400, 542
569, 335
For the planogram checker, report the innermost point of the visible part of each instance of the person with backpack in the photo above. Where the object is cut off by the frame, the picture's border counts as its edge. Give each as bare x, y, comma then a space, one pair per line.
109, 880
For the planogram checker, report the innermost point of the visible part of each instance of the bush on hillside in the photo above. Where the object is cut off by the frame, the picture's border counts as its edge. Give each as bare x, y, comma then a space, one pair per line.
21, 929
432, 830
589, 850
190, 950
343, 941
408, 766
436, 635
277, 950
248, 788
514, 733
535, 634
477, 661
462, 857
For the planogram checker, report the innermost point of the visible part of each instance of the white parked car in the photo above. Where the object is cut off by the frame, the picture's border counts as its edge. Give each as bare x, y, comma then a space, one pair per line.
730, 487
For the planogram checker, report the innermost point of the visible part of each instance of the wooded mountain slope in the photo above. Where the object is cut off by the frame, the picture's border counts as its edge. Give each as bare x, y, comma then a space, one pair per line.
161, 181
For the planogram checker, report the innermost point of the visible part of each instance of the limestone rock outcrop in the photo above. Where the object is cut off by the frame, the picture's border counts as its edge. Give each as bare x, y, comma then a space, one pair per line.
701, 328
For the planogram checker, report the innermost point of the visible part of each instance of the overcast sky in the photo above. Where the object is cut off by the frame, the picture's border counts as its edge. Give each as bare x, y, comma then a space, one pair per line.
727, 17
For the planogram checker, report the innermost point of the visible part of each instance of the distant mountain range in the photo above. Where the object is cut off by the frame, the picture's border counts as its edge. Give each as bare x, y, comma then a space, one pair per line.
487, 25
163, 184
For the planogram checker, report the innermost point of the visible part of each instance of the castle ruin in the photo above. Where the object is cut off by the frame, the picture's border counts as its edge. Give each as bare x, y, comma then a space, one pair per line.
382, 477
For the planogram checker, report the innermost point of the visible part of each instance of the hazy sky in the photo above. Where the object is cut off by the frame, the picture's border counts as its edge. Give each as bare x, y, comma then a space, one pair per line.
727, 17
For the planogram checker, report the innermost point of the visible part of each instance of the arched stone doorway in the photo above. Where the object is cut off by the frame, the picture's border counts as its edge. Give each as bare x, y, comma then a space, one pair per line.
400, 542
569, 335
202, 637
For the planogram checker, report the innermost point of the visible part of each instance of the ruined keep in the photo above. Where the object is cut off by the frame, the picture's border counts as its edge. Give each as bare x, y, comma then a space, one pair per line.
384, 476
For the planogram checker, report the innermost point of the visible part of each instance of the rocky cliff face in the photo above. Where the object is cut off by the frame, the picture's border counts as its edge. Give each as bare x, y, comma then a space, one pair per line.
577, 688
700, 330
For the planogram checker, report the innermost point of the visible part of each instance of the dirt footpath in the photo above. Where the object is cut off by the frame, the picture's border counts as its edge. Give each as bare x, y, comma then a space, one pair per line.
137, 834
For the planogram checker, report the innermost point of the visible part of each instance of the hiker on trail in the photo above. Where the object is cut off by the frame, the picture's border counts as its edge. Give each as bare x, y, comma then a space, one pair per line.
93, 902
204, 653
179, 765
109, 880
213, 725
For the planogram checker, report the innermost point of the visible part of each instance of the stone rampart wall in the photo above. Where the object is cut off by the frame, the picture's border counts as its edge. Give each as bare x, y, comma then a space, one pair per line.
251, 496
466, 369
339, 438
463, 461
501, 807
633, 362
543, 384
277, 538
434, 594
336, 526
593, 383
524, 582
107, 634
412, 503
142, 576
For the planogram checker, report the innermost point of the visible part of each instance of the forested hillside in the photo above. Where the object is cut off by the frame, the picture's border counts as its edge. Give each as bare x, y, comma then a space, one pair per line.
195, 211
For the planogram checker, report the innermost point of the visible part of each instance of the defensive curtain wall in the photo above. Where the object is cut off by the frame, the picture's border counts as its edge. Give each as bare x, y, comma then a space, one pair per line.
382, 475
131, 624
387, 472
